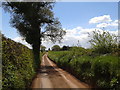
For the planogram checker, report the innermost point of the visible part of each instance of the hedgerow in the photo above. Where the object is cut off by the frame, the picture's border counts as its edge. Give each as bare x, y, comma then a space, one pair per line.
17, 65
101, 71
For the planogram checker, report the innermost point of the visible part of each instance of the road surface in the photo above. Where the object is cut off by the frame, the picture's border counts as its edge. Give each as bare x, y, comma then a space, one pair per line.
50, 76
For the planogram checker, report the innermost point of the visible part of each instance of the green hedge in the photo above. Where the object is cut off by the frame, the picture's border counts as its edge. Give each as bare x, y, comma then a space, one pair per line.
100, 71
17, 65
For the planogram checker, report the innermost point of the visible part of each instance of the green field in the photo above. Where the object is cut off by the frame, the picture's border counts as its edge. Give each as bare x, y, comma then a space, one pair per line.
102, 71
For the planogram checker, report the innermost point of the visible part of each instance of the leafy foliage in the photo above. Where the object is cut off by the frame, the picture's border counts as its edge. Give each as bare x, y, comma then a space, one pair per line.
17, 65
42, 48
100, 71
103, 42
29, 18
65, 48
56, 48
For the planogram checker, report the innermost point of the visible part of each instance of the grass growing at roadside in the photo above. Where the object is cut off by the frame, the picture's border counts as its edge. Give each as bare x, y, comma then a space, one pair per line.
102, 71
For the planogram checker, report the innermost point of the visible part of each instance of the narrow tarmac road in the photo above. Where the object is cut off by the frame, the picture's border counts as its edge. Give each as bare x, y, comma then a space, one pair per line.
50, 76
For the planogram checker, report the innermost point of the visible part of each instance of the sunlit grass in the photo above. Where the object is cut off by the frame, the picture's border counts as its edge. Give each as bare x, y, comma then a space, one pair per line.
100, 70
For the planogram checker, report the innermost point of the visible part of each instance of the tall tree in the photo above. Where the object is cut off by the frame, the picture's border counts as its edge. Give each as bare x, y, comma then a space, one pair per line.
29, 17
65, 48
42, 48
103, 42
56, 48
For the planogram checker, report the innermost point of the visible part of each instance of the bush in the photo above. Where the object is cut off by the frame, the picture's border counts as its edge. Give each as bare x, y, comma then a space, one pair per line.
101, 71
103, 42
56, 48
17, 65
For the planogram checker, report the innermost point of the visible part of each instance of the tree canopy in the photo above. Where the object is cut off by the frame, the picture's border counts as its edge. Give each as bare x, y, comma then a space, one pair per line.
35, 21
103, 42
42, 48
56, 48
27, 17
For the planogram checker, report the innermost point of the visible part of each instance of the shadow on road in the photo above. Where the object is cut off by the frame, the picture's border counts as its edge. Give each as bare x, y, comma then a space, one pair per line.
48, 69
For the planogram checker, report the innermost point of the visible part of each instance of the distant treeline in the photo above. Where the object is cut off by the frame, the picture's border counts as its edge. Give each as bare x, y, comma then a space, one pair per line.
58, 48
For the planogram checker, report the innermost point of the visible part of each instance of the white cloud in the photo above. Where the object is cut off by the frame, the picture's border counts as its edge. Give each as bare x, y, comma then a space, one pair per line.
102, 25
114, 32
115, 23
79, 33
71, 38
73, 35
100, 19
22, 41
104, 21
109, 24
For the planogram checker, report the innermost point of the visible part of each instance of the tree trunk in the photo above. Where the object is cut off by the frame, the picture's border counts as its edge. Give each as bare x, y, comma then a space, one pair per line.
36, 47
36, 54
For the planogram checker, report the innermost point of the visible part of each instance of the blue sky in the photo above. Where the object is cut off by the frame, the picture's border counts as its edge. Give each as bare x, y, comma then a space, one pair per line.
76, 14
71, 15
